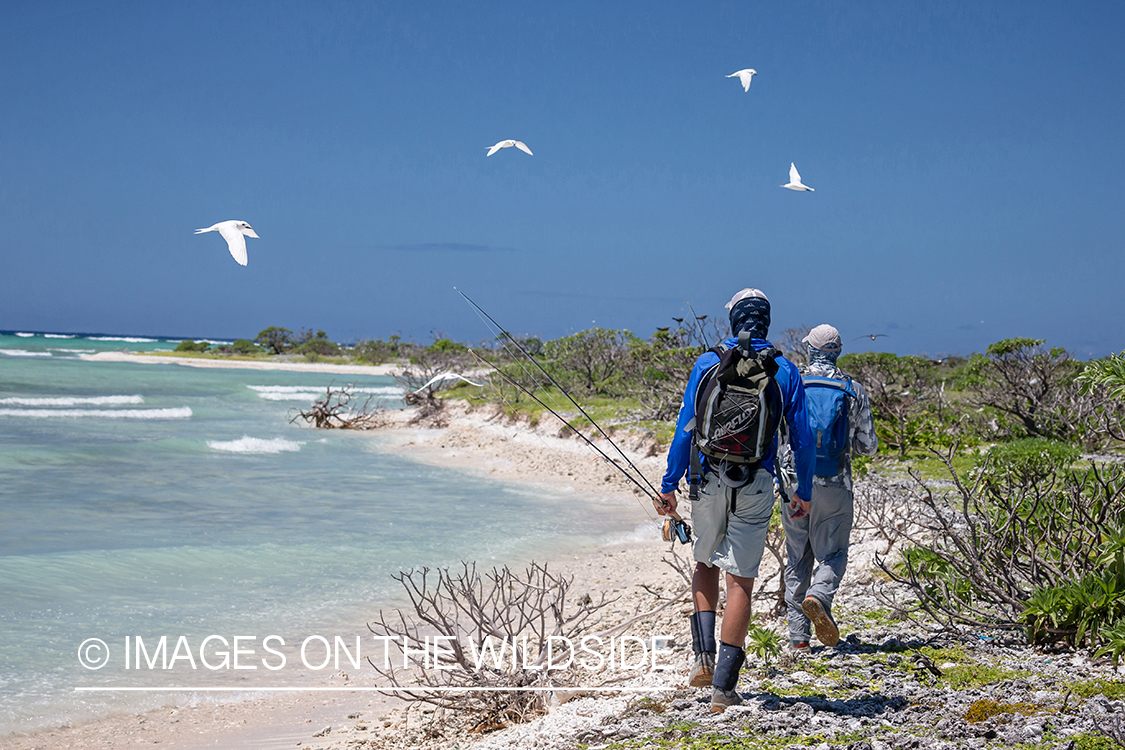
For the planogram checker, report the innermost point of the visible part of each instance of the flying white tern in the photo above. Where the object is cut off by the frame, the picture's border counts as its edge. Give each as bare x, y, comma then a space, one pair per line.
232, 232
508, 144
447, 376
795, 180
746, 75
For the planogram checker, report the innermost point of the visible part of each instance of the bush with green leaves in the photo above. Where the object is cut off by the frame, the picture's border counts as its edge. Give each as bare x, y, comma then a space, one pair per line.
275, 339
188, 345
318, 347
1029, 390
245, 346
763, 643
593, 362
377, 351
1027, 519
908, 400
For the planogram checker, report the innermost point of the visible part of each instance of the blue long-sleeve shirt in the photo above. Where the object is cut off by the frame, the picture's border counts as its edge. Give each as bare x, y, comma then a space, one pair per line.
793, 397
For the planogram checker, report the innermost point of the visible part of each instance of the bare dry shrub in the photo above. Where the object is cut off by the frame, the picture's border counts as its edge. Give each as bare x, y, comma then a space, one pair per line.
340, 409
881, 507
522, 614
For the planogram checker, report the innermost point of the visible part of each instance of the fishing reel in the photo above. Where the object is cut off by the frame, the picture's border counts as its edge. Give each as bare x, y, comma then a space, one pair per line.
676, 529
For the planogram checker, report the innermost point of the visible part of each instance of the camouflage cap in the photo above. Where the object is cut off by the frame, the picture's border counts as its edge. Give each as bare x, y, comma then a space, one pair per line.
825, 338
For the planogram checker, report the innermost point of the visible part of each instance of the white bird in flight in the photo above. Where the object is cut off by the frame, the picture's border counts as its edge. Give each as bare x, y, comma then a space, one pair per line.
745, 76
232, 232
447, 376
508, 144
795, 180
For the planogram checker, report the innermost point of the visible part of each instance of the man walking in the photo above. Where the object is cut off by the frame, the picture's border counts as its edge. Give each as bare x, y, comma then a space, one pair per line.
816, 541
727, 447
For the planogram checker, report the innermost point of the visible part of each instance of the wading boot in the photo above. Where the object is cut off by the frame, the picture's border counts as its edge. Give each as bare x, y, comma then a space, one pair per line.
826, 630
703, 645
730, 661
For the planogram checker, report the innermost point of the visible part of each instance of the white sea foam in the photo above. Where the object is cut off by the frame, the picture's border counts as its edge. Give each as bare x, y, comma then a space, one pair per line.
25, 335
130, 339
69, 350
60, 335
644, 532
72, 400
310, 396
247, 444
309, 392
180, 412
23, 353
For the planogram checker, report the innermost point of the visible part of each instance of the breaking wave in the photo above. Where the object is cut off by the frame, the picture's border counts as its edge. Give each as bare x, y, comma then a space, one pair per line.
182, 412
72, 400
23, 353
309, 392
247, 444
130, 339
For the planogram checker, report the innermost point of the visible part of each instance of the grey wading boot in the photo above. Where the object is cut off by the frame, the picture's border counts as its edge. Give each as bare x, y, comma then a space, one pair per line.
703, 645
730, 661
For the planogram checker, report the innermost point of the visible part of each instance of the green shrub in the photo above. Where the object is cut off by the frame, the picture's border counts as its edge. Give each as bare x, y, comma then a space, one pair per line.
1029, 460
245, 346
1108, 373
191, 346
1087, 611
276, 339
763, 643
318, 347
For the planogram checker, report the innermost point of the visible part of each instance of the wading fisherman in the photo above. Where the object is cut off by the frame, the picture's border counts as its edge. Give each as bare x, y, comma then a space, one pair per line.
816, 544
735, 399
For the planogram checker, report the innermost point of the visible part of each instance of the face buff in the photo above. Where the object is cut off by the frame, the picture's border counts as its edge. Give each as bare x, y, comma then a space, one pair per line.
819, 357
751, 314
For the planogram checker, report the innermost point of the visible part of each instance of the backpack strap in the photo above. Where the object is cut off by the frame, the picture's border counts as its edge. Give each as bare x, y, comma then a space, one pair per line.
814, 381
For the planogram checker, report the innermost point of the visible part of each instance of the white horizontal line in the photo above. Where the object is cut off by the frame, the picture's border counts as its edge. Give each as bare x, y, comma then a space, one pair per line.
420, 689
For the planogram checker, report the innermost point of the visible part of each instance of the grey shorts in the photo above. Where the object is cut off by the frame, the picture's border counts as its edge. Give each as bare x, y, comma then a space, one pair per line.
732, 538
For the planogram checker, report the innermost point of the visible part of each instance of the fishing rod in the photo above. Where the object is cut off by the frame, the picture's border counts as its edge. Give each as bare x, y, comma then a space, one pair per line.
646, 491
652, 491
702, 330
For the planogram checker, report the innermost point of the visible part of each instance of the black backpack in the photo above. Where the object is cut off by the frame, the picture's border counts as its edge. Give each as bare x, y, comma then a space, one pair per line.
738, 408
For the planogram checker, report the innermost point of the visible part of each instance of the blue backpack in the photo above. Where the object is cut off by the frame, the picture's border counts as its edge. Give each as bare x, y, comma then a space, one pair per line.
826, 402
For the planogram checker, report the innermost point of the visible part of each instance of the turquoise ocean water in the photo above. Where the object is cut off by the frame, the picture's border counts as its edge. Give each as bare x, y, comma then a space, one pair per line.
163, 500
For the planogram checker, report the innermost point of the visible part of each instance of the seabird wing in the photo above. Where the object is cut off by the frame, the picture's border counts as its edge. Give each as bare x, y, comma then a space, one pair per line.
520, 145
236, 243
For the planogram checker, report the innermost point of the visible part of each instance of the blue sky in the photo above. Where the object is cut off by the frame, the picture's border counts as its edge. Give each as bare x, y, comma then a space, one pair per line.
967, 160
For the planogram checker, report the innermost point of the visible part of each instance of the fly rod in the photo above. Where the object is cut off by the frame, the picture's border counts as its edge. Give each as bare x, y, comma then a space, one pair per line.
652, 491
645, 490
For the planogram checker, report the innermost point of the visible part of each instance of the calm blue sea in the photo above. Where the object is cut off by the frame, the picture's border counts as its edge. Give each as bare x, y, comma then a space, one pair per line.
162, 500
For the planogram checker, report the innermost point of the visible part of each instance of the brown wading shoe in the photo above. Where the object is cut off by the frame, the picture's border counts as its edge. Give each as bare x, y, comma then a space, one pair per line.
703, 670
826, 630
721, 700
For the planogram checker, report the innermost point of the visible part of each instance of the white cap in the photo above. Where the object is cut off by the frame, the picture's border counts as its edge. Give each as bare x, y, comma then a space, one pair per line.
745, 293
825, 338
